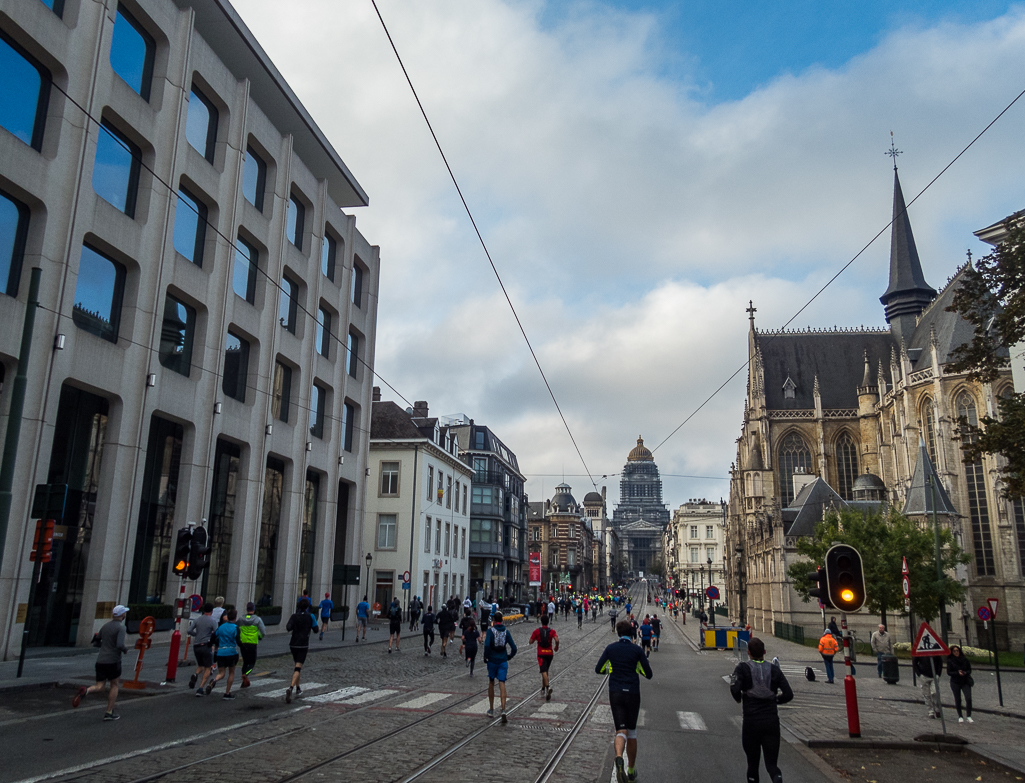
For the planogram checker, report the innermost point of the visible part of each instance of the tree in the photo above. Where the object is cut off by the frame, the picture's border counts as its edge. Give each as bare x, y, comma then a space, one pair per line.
883, 540
991, 297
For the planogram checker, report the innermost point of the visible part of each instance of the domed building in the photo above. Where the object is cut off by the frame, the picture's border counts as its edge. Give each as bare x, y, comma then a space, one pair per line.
640, 516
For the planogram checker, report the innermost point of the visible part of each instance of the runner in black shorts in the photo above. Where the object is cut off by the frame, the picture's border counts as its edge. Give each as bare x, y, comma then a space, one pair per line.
622, 660
301, 624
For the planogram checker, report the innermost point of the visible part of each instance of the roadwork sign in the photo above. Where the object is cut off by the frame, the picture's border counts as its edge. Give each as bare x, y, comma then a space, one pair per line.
928, 643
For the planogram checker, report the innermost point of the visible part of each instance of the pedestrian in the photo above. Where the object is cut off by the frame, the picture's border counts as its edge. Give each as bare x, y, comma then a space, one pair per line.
833, 629
634, 628
226, 640
827, 649
301, 624
613, 613
959, 669
547, 641
646, 633
594, 611
580, 614
362, 610
111, 641
326, 607
218, 611
467, 604
928, 669
882, 644
656, 629
394, 624
760, 686
551, 608
446, 626
623, 661
485, 612
470, 639
415, 608
428, 626
202, 629
306, 595
499, 649
250, 631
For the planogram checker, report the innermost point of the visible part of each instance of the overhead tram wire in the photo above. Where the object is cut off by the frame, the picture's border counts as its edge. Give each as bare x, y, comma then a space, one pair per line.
483, 244
844, 268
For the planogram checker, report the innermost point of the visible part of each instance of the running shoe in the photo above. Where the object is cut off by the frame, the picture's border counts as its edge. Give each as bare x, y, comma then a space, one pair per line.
631, 777
620, 770
228, 696
111, 716
209, 688
389, 651
199, 692
505, 719
288, 695
298, 690
491, 713
970, 719
548, 695
467, 663
321, 636
245, 681
78, 697
192, 682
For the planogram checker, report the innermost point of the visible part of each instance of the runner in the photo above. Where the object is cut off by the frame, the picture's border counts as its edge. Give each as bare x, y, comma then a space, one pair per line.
202, 629
497, 657
580, 613
623, 661
428, 626
362, 610
761, 686
485, 612
613, 614
301, 624
394, 624
656, 627
446, 625
250, 631
108, 662
646, 633
547, 641
218, 609
415, 607
551, 608
594, 611
470, 637
226, 641
326, 607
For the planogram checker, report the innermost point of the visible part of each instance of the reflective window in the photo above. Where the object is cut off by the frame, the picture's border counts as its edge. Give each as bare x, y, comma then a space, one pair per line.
794, 454
57, 6
352, 359
116, 171
13, 230
201, 124
288, 302
243, 275
25, 95
348, 425
356, 289
176, 335
254, 178
131, 52
236, 366
324, 332
281, 392
190, 227
930, 427
318, 397
294, 221
98, 294
327, 257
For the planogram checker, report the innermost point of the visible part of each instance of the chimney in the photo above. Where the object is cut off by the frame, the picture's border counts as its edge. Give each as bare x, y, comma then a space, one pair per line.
377, 394
420, 409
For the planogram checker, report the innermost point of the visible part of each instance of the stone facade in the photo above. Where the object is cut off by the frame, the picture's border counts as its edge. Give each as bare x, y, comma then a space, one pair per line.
640, 516
695, 536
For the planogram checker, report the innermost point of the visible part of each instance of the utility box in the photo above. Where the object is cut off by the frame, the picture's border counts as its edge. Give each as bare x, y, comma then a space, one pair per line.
891, 669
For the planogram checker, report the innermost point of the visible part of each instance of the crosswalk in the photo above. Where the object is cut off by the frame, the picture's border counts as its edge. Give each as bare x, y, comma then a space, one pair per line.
318, 693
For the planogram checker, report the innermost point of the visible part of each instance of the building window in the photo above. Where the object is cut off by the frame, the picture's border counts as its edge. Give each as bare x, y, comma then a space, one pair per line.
480, 468
427, 535
978, 504
1019, 531
13, 231
98, 293
694, 554
116, 170
846, 465
389, 478
709, 554
318, 397
294, 221
288, 303
709, 531
479, 439
693, 531
190, 219
328, 250
386, 525
236, 367
176, 334
448, 494
243, 275
281, 393
308, 535
26, 93
448, 535
437, 537
793, 454
929, 419
254, 178
352, 355
348, 425
270, 523
430, 482
356, 286
463, 536
324, 333
571, 558
464, 499
57, 6
201, 124
131, 52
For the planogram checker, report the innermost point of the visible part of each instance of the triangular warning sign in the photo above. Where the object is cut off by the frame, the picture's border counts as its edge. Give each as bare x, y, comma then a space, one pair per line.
929, 642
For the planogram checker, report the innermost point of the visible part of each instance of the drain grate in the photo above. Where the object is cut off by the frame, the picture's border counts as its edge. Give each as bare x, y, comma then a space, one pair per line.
541, 727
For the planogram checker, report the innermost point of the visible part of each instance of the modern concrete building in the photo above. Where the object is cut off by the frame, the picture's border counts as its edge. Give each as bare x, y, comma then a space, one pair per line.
207, 312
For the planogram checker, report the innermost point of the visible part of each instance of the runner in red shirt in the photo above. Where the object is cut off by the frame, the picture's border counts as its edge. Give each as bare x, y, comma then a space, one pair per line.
547, 641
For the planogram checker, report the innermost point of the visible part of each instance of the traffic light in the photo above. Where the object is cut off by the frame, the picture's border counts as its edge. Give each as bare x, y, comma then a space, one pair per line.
845, 578
820, 589
199, 554
181, 550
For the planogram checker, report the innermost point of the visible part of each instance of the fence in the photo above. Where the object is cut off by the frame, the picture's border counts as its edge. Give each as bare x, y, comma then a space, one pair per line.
791, 633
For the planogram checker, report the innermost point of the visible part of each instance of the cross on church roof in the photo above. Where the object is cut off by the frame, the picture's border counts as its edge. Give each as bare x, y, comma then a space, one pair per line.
893, 152
751, 309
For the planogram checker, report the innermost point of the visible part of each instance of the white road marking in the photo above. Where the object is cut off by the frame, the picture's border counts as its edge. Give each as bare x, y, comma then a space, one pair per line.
263, 681
480, 708
549, 710
364, 698
333, 696
641, 718
691, 721
422, 701
602, 714
279, 693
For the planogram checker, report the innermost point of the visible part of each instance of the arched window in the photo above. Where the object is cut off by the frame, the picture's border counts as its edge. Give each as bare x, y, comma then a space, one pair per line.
978, 505
929, 425
793, 454
846, 465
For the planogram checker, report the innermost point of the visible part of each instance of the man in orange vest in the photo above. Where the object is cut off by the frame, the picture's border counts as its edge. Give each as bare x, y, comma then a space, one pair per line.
828, 647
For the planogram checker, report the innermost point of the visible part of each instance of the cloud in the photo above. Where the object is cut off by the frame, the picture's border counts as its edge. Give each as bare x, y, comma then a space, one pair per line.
631, 221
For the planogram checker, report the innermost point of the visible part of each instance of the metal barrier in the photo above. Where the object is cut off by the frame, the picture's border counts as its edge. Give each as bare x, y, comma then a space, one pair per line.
788, 632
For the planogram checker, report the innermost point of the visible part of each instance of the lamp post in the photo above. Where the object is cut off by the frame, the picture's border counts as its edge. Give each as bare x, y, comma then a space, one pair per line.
739, 554
701, 595
370, 559
711, 603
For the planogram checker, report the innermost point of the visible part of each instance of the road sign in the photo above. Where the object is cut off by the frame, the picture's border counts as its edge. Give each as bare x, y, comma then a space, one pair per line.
405, 585
197, 601
905, 583
984, 613
993, 604
712, 592
928, 643
405, 578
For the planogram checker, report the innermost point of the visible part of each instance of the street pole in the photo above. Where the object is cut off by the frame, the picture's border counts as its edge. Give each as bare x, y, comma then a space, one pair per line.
996, 657
944, 631
176, 637
414, 519
850, 687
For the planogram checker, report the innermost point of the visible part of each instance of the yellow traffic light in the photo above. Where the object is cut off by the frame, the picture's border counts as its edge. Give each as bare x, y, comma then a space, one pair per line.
847, 595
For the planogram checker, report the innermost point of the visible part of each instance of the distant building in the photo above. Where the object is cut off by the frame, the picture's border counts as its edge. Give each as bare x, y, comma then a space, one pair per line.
561, 531
640, 516
694, 547
606, 541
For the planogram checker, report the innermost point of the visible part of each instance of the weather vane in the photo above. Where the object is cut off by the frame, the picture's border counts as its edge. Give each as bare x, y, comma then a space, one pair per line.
893, 152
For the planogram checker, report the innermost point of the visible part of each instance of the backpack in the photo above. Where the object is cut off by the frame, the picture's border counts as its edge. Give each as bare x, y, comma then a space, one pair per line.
545, 637
498, 639
809, 673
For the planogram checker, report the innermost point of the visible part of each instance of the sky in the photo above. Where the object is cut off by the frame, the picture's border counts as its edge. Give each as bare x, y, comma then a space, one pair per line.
640, 171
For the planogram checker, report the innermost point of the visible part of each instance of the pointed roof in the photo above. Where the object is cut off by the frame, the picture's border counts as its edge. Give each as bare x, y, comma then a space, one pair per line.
920, 495
908, 293
807, 509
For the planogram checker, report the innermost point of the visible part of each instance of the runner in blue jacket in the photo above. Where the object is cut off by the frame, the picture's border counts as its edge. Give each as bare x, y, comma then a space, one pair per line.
499, 649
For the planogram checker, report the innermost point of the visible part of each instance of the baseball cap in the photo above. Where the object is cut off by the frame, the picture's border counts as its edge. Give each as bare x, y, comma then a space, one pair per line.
120, 610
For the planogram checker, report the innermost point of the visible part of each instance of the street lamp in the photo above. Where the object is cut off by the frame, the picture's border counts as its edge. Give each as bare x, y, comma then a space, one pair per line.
739, 554
711, 603
370, 558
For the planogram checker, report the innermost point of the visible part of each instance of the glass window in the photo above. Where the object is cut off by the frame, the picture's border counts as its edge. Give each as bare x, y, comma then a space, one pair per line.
176, 335
709, 531
793, 454
448, 493
328, 251
348, 425
437, 537
98, 292
386, 524
430, 481
57, 6
243, 276
357, 286
352, 359
318, 396
116, 171
479, 439
236, 367
131, 52
978, 502
427, 536
25, 95
270, 523
13, 230
201, 124
448, 537
282, 391
254, 178
324, 333
693, 531
389, 478
190, 227
223, 502
930, 427
288, 303
294, 221
308, 533
846, 466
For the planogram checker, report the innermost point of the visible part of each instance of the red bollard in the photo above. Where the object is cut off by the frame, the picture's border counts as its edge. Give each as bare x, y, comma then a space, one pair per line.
850, 687
142, 644
176, 637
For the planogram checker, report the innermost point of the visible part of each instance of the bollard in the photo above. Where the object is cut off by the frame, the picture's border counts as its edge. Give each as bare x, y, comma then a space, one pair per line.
141, 644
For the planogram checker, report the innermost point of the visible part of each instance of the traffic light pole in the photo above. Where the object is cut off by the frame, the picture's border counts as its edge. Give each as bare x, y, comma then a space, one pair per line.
850, 687
176, 637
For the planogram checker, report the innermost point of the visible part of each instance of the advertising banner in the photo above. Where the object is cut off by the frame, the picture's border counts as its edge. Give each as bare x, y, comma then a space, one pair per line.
535, 569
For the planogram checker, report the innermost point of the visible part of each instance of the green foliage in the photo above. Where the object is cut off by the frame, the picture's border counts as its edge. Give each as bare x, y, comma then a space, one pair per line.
882, 542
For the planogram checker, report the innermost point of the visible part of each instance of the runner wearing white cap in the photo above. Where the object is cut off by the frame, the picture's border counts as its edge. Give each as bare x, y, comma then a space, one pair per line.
111, 641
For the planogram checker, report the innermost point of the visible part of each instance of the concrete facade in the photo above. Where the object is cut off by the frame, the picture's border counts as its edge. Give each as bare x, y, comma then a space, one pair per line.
696, 535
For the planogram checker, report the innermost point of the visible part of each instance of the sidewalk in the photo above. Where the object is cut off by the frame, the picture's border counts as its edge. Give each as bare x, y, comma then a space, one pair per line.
892, 716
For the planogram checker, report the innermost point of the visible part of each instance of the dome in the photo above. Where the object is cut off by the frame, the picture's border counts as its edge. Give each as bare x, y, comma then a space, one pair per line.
592, 497
563, 498
639, 453
869, 486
